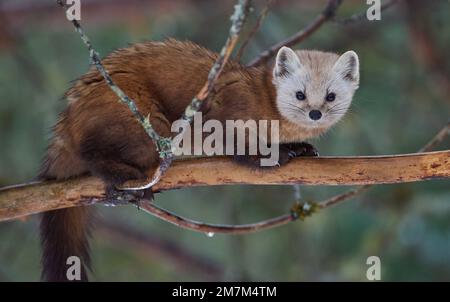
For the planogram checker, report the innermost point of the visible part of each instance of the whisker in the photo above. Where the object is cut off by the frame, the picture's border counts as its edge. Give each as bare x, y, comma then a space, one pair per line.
338, 110
343, 109
336, 107
292, 107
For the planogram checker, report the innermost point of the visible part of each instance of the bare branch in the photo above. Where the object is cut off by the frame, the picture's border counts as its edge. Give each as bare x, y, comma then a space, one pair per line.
238, 18
211, 229
300, 36
344, 196
22, 200
39, 197
437, 139
298, 211
363, 16
255, 29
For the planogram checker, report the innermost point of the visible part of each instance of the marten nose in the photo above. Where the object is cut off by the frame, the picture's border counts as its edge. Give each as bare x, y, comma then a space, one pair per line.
315, 115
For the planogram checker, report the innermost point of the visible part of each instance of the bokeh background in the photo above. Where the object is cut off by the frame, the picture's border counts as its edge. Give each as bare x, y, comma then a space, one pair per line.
403, 101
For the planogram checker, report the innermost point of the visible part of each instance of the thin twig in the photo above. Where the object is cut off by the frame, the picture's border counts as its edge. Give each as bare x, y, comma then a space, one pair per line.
262, 16
437, 139
241, 10
363, 15
211, 229
300, 36
344, 196
298, 211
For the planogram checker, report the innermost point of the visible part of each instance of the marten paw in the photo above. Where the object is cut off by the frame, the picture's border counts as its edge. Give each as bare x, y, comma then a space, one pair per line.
301, 149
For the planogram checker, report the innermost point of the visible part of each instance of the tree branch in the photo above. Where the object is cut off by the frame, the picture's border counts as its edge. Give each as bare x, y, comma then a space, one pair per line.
254, 29
362, 16
26, 199
300, 36
298, 211
238, 19
437, 139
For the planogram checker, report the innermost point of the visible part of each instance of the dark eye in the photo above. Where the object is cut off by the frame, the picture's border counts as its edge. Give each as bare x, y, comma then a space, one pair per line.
331, 97
300, 96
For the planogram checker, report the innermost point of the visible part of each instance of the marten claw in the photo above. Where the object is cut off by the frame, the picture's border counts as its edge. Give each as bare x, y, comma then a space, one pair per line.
134, 196
304, 149
292, 154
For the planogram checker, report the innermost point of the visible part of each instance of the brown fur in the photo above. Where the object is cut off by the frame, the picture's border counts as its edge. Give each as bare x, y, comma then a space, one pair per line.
99, 135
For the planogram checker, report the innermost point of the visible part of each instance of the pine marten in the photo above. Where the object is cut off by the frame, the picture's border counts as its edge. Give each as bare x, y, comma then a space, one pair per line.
306, 91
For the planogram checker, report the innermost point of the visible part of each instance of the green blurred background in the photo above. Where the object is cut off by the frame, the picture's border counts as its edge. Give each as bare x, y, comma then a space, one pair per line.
402, 102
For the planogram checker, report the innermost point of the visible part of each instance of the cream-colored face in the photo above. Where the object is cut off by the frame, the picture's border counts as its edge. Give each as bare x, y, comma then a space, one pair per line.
315, 89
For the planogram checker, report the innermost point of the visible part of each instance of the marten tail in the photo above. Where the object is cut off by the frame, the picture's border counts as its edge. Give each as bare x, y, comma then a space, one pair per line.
64, 232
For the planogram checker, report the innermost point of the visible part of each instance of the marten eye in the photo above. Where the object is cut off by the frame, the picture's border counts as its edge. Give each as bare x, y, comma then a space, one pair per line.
300, 96
331, 97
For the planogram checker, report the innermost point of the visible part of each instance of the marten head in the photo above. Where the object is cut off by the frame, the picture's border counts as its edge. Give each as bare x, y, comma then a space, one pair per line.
314, 88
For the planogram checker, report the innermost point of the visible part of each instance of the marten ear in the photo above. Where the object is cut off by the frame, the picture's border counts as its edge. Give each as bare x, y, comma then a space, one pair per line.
348, 66
286, 63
